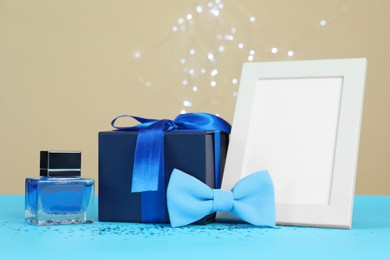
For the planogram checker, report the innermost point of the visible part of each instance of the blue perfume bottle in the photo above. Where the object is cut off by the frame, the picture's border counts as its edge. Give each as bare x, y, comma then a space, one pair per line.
59, 196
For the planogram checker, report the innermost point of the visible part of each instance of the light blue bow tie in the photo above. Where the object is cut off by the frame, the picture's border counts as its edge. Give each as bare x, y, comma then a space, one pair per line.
251, 199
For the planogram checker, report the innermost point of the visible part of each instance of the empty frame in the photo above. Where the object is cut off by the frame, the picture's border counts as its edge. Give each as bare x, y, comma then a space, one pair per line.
300, 120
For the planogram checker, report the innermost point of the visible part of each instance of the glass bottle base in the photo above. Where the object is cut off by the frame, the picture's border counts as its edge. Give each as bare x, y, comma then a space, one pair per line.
41, 218
58, 201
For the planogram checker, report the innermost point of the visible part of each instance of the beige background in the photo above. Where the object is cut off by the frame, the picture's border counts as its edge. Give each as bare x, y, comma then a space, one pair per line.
67, 68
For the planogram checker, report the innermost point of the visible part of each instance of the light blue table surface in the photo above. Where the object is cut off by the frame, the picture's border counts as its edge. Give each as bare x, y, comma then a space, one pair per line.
369, 238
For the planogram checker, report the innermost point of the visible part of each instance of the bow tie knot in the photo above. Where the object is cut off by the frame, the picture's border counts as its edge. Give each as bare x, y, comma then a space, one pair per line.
222, 200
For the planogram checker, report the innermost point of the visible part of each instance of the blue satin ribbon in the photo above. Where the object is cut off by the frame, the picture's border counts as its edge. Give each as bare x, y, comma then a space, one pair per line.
148, 171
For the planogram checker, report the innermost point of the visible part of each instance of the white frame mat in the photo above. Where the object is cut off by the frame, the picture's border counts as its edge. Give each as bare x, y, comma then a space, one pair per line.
300, 120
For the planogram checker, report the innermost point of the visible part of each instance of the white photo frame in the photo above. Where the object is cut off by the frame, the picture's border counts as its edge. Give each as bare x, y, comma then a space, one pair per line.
300, 120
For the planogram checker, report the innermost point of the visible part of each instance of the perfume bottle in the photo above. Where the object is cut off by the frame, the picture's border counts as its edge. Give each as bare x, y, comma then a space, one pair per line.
59, 196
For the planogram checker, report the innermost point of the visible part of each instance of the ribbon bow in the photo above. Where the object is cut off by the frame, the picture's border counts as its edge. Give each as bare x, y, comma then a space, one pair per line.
251, 199
149, 150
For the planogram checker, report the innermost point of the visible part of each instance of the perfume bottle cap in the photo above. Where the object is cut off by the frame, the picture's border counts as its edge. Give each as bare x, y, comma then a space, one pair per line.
60, 164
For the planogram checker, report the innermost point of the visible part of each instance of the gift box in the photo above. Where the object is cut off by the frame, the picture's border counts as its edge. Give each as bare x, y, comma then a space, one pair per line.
200, 153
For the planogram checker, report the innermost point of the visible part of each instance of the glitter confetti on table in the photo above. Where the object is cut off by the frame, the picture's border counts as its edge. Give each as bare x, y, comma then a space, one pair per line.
368, 238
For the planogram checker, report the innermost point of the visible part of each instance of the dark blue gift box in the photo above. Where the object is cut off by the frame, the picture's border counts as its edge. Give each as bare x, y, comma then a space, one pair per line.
190, 151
